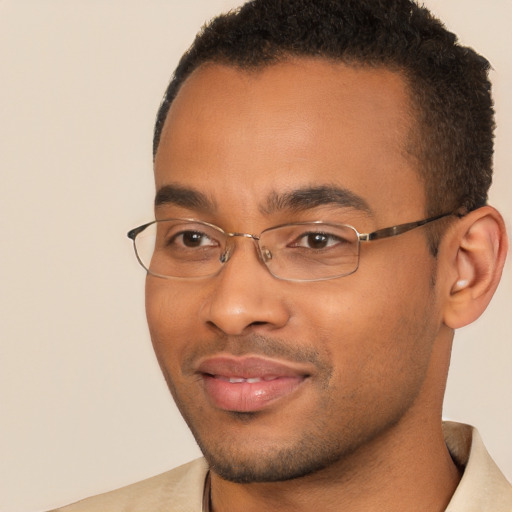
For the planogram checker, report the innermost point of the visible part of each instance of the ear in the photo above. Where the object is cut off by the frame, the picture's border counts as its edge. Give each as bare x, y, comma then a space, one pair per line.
474, 255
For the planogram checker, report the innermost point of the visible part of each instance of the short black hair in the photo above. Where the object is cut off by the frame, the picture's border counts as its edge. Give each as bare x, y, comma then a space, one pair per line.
448, 83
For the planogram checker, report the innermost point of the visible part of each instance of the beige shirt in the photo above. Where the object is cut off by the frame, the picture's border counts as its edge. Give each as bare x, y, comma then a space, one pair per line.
483, 488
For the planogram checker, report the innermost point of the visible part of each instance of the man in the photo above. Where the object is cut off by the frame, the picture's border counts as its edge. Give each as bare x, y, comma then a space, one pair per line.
321, 230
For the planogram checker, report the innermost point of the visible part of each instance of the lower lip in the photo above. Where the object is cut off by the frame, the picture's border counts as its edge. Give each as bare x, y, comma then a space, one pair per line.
248, 396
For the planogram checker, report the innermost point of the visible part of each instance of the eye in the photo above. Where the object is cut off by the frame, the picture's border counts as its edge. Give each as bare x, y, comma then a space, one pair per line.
317, 240
193, 239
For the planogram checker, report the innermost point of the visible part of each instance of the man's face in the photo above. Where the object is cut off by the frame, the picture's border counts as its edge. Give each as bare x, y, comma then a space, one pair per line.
278, 379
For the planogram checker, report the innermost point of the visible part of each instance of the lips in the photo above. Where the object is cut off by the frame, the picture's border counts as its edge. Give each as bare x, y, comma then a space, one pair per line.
248, 384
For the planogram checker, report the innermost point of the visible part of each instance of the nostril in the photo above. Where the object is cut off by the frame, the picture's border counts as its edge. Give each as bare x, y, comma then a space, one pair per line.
255, 324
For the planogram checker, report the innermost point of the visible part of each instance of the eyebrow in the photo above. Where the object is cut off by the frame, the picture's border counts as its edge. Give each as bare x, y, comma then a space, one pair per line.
183, 196
300, 199
312, 197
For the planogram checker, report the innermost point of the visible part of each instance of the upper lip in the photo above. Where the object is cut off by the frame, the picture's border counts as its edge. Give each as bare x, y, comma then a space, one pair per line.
249, 367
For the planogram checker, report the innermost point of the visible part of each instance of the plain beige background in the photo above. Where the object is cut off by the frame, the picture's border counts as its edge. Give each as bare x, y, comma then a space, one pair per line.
83, 406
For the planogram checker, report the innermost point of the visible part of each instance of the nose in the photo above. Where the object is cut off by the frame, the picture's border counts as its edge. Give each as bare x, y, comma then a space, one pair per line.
244, 296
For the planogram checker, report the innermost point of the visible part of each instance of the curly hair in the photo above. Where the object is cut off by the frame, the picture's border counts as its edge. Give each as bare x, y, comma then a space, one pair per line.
448, 83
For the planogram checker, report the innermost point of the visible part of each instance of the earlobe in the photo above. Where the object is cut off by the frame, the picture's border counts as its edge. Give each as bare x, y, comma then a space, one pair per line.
476, 254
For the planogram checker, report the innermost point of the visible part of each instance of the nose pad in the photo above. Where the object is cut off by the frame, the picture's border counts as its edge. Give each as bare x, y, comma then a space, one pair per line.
224, 257
266, 255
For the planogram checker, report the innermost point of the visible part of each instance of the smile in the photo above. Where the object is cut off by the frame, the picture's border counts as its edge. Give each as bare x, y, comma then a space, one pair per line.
248, 384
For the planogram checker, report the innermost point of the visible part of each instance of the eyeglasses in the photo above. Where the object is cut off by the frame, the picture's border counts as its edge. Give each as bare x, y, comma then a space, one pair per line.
302, 251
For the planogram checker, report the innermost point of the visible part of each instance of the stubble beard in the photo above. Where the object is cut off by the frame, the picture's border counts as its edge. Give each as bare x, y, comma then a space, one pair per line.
307, 455
244, 461
320, 445
247, 461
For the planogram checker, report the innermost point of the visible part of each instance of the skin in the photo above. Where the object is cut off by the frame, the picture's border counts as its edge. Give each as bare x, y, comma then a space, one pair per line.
363, 429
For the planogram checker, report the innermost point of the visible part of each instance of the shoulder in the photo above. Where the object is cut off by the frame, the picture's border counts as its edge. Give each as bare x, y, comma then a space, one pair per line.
178, 490
483, 487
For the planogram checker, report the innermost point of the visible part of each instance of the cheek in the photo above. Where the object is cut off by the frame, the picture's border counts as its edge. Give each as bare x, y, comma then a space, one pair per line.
374, 330
170, 317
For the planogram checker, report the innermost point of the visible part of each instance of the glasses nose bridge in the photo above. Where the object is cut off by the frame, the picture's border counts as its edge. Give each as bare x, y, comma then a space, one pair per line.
243, 235
228, 249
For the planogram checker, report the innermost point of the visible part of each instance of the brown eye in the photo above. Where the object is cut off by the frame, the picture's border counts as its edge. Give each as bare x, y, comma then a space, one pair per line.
193, 239
317, 241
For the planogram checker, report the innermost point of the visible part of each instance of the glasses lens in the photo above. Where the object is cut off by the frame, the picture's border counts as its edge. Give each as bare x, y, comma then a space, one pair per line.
311, 251
307, 251
174, 248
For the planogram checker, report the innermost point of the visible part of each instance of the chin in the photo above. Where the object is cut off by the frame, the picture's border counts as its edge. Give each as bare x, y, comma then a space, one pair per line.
248, 462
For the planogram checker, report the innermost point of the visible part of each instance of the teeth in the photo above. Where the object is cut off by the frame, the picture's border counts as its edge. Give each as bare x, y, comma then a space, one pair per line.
250, 380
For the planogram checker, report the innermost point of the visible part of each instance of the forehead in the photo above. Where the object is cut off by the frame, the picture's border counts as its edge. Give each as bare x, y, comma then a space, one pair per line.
304, 122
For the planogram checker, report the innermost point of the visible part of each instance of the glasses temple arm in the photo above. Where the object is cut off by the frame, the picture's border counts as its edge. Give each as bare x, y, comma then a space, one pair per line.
401, 228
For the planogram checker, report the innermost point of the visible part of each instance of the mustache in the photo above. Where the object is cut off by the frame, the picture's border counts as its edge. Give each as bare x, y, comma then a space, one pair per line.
258, 345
